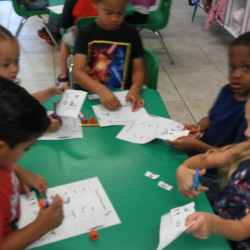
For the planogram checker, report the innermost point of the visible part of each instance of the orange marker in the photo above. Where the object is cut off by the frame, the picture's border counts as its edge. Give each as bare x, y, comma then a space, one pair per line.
93, 234
91, 125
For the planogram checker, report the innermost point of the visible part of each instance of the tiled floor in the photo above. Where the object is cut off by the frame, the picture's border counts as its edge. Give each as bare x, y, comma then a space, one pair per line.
188, 88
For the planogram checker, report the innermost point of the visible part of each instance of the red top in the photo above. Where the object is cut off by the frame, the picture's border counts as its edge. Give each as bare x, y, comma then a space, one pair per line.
9, 201
83, 8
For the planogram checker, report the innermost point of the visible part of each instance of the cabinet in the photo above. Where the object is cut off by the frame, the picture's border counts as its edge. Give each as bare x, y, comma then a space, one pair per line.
237, 15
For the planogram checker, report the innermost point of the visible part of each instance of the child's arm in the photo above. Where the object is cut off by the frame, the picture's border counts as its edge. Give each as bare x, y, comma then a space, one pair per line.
204, 124
138, 77
47, 219
28, 179
46, 94
107, 98
206, 223
186, 172
189, 142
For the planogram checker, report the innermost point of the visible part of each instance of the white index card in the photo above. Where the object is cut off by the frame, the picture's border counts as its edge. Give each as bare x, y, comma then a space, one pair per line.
71, 103
168, 230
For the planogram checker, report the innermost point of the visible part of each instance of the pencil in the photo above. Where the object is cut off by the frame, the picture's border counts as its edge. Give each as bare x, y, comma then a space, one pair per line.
91, 125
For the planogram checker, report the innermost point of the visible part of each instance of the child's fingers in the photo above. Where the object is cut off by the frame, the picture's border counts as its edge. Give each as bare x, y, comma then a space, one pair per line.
26, 190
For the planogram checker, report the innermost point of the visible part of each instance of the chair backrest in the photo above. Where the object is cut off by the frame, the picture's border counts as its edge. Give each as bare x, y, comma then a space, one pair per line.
21, 11
81, 22
157, 19
151, 65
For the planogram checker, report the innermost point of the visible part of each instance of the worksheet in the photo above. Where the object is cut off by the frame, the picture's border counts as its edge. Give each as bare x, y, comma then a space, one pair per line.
87, 207
70, 129
58, 9
71, 103
120, 116
173, 224
147, 128
120, 95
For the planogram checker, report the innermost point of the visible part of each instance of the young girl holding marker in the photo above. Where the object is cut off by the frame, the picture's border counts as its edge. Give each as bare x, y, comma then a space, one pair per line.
9, 68
232, 206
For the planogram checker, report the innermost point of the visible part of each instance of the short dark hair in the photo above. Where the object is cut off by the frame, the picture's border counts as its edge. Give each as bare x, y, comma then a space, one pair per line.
22, 117
242, 40
5, 34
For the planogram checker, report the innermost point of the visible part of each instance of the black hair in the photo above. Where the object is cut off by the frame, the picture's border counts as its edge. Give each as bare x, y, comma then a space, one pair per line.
5, 34
22, 117
242, 40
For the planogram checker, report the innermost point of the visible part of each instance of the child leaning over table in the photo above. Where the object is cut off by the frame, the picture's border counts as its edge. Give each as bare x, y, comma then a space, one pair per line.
226, 121
22, 121
232, 206
9, 68
111, 50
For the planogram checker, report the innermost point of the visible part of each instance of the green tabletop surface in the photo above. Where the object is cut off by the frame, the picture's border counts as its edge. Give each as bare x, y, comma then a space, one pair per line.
120, 166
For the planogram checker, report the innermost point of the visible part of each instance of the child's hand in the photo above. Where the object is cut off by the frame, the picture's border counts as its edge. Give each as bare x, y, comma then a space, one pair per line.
185, 178
59, 91
194, 130
109, 100
28, 179
55, 124
52, 216
183, 143
135, 99
203, 225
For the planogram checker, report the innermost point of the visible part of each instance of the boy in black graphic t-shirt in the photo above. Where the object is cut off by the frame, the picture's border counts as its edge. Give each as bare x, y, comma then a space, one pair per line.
108, 55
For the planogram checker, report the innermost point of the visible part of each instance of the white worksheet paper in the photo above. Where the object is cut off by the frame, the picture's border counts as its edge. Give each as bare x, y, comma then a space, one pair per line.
173, 224
70, 129
88, 208
120, 95
147, 128
71, 103
58, 9
120, 116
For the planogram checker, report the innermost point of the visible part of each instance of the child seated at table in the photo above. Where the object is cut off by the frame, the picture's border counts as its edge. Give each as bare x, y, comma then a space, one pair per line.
226, 121
141, 10
232, 206
9, 68
22, 121
72, 11
109, 55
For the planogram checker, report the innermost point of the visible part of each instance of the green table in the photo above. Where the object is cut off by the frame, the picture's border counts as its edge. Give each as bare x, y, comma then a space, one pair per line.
120, 166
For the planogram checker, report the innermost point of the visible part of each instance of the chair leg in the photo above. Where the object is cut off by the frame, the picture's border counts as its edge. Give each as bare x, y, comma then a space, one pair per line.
158, 34
48, 31
70, 69
21, 25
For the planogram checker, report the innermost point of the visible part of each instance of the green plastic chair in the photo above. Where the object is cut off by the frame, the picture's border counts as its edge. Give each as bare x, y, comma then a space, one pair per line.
151, 65
25, 14
158, 20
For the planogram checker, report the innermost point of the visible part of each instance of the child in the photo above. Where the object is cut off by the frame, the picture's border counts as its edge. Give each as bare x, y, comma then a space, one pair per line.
232, 206
226, 121
112, 50
141, 10
72, 10
22, 121
9, 67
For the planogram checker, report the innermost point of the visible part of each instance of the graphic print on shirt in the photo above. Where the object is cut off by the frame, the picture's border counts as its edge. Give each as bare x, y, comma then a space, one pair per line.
14, 199
108, 62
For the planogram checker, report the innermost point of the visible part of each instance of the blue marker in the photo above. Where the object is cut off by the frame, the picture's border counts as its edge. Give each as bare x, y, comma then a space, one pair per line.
59, 85
196, 179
